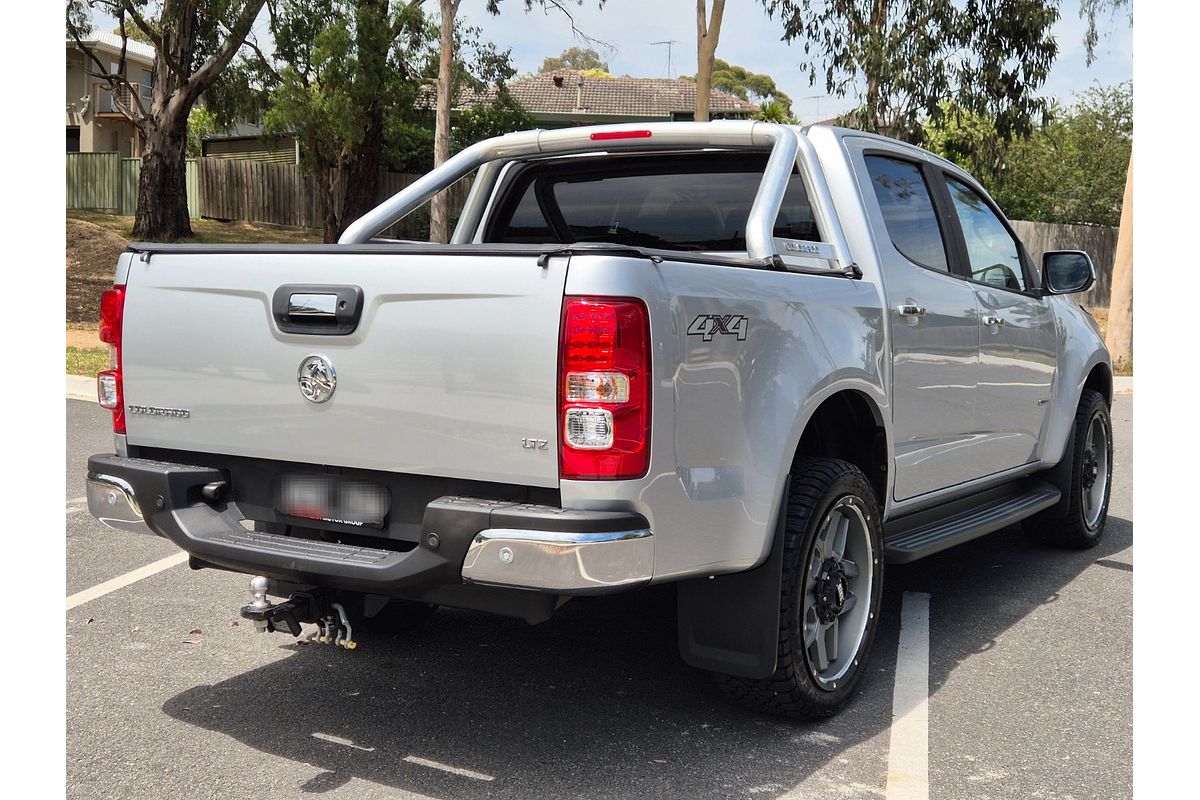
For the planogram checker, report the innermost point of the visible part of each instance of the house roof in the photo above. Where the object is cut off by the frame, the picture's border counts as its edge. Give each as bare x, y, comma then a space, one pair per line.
111, 42
646, 97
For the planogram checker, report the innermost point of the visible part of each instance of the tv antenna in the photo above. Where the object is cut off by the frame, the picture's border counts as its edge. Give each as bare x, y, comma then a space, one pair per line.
669, 43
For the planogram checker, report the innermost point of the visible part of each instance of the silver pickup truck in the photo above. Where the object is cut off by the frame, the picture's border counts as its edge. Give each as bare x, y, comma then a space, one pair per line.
753, 360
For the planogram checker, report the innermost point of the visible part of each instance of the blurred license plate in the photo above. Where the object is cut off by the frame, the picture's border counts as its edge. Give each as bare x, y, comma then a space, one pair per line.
328, 499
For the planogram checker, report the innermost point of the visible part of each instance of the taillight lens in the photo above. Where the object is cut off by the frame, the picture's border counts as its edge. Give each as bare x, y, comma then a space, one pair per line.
110, 388
604, 389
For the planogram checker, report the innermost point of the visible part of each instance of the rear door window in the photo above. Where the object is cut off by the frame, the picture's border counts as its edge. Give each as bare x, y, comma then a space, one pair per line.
908, 211
686, 202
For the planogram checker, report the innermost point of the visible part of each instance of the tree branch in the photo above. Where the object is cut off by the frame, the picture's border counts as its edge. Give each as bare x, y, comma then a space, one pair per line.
202, 78
126, 7
576, 31
114, 80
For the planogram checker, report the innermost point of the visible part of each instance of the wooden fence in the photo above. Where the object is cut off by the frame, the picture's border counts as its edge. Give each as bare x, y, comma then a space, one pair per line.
107, 182
1099, 241
283, 194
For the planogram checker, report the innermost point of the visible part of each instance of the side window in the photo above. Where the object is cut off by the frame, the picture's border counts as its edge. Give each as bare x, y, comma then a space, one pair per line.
993, 253
528, 225
908, 210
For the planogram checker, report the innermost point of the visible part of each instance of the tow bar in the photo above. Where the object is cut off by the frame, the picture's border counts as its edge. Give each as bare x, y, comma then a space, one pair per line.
333, 626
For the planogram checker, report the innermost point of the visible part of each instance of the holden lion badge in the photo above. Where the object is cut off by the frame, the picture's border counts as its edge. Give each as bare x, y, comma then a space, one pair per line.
317, 379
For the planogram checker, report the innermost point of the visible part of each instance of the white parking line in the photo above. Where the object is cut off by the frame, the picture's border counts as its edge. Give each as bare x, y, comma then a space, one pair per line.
466, 773
121, 581
908, 752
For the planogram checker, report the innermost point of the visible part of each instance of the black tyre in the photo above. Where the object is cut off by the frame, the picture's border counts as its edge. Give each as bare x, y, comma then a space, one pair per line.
831, 590
1082, 524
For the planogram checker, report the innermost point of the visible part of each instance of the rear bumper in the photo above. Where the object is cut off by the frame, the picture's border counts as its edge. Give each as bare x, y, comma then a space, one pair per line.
464, 540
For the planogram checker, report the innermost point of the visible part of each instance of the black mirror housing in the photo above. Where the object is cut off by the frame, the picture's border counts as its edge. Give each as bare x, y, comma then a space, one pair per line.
1067, 272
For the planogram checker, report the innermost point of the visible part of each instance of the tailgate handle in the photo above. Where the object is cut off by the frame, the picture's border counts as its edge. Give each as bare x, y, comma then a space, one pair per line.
317, 310
312, 306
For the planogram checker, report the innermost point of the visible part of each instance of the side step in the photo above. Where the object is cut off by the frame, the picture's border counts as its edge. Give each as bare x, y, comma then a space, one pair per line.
936, 529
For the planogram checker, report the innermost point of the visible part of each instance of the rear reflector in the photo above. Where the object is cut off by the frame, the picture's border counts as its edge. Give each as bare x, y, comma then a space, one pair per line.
604, 136
604, 389
110, 391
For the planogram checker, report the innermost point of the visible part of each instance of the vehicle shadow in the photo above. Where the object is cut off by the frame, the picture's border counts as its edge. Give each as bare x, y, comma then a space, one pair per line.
596, 702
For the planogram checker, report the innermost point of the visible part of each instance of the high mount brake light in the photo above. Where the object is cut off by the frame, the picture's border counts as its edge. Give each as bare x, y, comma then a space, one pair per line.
604, 389
110, 389
605, 136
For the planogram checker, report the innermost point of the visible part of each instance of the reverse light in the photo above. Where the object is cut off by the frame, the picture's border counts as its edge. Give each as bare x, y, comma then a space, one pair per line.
604, 388
110, 390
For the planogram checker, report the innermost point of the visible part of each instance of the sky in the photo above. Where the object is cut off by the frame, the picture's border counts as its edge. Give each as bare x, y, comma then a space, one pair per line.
749, 38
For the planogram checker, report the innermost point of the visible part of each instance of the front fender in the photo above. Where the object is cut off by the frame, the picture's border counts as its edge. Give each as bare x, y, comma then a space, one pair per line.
1080, 350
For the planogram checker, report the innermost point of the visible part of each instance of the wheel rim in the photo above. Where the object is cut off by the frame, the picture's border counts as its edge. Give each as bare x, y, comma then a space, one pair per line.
837, 593
1095, 471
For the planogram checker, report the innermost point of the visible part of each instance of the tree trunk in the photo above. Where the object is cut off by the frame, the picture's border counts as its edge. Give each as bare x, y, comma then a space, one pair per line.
162, 209
439, 212
327, 187
1119, 336
707, 34
362, 176
362, 173
874, 121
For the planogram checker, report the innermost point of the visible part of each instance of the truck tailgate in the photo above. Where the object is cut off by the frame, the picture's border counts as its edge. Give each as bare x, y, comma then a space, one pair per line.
450, 372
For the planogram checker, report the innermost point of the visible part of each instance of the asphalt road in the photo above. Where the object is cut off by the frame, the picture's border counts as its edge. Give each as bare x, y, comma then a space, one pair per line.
168, 697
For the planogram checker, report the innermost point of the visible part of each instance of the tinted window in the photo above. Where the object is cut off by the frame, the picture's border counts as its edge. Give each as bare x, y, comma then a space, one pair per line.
681, 203
992, 251
528, 225
907, 210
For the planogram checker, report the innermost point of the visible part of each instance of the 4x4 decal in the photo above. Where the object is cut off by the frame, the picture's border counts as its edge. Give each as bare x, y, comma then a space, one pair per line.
708, 325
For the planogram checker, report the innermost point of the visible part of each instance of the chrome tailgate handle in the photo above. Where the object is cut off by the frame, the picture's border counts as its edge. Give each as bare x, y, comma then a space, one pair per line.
317, 310
313, 305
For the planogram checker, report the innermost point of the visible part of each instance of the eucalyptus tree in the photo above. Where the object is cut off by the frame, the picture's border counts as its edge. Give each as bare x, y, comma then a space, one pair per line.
194, 41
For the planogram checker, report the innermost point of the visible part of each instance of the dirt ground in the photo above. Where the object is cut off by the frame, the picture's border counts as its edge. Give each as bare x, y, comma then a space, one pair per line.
92, 254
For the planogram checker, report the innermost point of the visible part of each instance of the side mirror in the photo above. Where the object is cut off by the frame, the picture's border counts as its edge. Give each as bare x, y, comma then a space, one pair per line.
1067, 272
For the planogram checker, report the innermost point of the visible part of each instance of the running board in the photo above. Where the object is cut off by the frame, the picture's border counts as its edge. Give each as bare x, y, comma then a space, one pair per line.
931, 531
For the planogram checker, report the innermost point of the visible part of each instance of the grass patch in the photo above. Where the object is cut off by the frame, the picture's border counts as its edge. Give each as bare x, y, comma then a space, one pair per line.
86, 362
206, 231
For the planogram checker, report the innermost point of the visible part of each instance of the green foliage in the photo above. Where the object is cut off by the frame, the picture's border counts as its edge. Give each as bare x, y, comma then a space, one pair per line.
135, 34
201, 123
580, 58
408, 145
991, 56
775, 111
741, 82
503, 115
1071, 170
328, 71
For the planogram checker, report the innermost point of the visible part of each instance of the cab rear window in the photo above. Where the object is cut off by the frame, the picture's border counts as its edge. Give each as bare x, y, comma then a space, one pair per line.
683, 202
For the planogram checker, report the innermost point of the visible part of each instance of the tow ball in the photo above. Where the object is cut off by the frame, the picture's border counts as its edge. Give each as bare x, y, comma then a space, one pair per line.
333, 626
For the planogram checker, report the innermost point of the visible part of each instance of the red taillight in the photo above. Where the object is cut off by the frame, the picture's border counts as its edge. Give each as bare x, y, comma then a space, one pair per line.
605, 136
604, 389
110, 388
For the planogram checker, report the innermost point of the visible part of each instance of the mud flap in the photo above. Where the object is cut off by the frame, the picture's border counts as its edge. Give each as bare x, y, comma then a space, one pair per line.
730, 623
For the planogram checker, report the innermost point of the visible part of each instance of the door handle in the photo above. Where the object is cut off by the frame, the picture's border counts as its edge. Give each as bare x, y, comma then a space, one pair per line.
991, 320
910, 310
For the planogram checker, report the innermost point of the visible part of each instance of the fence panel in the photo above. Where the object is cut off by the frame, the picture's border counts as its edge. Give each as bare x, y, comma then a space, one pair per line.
283, 194
92, 180
108, 182
1098, 241
131, 170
